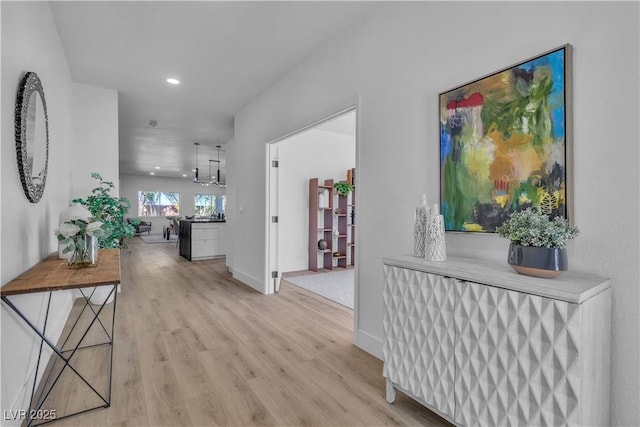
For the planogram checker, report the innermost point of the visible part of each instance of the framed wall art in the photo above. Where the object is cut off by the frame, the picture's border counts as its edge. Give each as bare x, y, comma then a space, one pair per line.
505, 144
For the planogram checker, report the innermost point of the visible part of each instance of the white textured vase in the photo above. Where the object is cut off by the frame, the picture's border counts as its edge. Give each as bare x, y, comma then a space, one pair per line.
436, 247
420, 222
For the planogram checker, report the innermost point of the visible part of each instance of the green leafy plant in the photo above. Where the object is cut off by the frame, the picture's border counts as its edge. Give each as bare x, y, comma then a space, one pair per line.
532, 228
343, 188
110, 211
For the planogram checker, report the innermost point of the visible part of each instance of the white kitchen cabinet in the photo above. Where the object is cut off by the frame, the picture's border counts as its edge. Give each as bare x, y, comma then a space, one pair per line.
200, 240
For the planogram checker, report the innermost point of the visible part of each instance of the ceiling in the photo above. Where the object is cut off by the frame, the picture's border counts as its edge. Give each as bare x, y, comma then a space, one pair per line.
224, 54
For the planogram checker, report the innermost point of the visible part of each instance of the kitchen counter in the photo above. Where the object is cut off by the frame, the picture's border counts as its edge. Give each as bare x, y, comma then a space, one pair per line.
202, 239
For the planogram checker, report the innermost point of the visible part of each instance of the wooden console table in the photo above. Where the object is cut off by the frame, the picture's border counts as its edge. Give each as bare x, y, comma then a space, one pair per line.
50, 275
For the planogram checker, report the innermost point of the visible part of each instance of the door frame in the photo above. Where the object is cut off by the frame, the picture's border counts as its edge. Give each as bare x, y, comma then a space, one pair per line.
271, 233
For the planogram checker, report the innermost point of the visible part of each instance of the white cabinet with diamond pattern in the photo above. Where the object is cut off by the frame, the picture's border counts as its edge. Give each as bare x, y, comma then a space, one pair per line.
419, 325
517, 353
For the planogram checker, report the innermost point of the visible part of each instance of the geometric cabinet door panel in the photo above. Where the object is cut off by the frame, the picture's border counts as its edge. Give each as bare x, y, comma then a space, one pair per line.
419, 337
517, 358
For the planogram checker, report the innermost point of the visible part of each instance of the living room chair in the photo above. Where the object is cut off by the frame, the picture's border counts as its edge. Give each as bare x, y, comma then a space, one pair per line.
140, 226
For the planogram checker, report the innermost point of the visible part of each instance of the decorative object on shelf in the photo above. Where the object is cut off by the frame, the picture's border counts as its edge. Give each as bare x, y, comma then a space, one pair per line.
322, 244
537, 242
337, 211
420, 219
32, 136
73, 211
336, 254
81, 239
110, 211
435, 247
343, 188
513, 120
322, 198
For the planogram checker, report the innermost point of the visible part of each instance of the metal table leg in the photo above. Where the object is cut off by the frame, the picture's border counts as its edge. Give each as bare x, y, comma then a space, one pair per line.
36, 402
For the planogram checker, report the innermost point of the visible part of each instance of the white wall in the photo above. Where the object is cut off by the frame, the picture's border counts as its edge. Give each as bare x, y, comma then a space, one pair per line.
311, 154
30, 42
131, 184
394, 64
95, 133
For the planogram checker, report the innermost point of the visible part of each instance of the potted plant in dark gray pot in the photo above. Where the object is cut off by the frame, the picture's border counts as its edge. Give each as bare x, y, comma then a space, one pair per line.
537, 242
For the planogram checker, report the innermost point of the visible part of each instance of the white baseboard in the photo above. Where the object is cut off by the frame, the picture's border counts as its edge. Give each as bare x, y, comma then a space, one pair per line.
249, 280
369, 343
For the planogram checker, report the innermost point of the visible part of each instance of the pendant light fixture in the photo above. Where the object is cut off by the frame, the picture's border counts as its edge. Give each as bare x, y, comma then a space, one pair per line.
196, 178
217, 179
211, 179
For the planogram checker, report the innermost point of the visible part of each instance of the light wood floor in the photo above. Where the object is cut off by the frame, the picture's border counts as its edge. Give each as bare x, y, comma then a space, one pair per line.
195, 347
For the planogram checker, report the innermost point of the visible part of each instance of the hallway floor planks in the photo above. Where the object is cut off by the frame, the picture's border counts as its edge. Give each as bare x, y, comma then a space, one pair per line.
194, 347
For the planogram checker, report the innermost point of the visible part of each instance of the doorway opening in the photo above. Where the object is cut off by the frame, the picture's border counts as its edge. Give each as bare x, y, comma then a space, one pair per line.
312, 238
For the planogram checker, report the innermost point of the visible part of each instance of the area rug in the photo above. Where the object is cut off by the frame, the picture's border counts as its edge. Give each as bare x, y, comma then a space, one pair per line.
337, 285
157, 238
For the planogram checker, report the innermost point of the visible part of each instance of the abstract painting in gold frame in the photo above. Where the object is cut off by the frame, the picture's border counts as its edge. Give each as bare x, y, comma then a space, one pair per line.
505, 144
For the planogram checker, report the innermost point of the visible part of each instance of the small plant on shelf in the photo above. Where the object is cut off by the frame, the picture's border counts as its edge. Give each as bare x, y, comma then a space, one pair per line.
343, 188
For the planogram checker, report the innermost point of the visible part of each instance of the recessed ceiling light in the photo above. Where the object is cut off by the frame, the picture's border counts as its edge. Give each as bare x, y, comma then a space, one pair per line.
184, 175
157, 167
173, 81
152, 173
193, 170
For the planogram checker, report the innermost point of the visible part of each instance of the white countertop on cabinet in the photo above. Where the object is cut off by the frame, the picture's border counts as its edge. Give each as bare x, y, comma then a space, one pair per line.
570, 286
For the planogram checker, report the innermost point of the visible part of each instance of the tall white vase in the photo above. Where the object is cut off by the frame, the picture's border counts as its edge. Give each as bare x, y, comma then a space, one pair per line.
436, 248
420, 222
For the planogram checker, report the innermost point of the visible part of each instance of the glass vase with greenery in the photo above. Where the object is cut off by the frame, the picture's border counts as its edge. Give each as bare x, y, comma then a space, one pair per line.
76, 234
110, 211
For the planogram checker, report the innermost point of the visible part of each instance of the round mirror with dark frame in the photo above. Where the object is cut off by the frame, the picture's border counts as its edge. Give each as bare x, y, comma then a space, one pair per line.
32, 136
